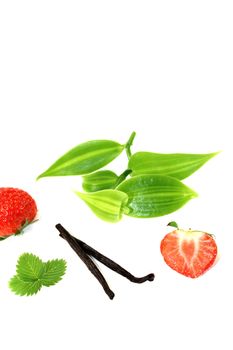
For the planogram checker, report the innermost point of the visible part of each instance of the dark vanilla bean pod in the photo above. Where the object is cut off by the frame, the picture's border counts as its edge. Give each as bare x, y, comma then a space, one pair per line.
86, 259
113, 265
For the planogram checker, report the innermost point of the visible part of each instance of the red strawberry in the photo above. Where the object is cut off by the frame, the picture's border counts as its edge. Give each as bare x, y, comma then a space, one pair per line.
190, 253
17, 209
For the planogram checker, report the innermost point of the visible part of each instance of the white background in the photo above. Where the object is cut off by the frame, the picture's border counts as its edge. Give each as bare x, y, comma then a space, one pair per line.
72, 71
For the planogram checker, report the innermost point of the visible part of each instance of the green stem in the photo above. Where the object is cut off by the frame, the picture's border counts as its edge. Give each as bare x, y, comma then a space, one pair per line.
129, 144
122, 177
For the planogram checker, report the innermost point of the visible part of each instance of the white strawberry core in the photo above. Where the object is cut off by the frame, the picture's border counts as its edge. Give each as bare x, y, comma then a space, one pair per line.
189, 242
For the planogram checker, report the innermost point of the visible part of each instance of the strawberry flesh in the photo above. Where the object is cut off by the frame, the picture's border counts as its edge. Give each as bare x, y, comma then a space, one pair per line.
190, 253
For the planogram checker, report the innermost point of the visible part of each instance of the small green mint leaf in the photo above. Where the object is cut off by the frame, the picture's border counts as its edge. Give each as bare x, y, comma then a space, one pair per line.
29, 267
53, 272
21, 288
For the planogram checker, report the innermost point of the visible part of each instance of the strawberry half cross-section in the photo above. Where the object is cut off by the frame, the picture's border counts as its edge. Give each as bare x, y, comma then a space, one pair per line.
190, 253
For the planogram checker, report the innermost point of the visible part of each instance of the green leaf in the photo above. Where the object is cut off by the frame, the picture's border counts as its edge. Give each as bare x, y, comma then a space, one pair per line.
53, 272
29, 267
154, 195
108, 205
103, 180
32, 273
100, 180
178, 165
173, 224
85, 158
21, 287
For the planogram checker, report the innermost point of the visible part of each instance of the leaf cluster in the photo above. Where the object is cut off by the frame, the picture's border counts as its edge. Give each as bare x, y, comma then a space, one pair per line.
32, 273
153, 189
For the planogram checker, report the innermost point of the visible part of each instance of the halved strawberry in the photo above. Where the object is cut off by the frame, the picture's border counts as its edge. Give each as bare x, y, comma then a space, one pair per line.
190, 253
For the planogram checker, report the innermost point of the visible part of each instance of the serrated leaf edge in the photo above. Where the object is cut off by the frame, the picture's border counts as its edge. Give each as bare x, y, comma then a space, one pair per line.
28, 292
59, 278
40, 279
29, 255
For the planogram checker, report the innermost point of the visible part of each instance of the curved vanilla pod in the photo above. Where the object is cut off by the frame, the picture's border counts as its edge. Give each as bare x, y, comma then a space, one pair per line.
86, 158
86, 259
154, 195
113, 265
178, 165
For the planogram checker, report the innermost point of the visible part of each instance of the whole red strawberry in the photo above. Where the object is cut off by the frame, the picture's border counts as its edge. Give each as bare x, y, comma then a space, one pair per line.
17, 209
190, 253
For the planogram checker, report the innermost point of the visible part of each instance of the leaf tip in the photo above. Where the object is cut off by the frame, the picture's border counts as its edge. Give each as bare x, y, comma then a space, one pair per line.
40, 176
215, 153
79, 194
194, 194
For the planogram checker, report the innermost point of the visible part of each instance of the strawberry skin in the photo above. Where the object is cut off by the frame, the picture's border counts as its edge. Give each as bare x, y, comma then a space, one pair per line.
190, 253
17, 208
